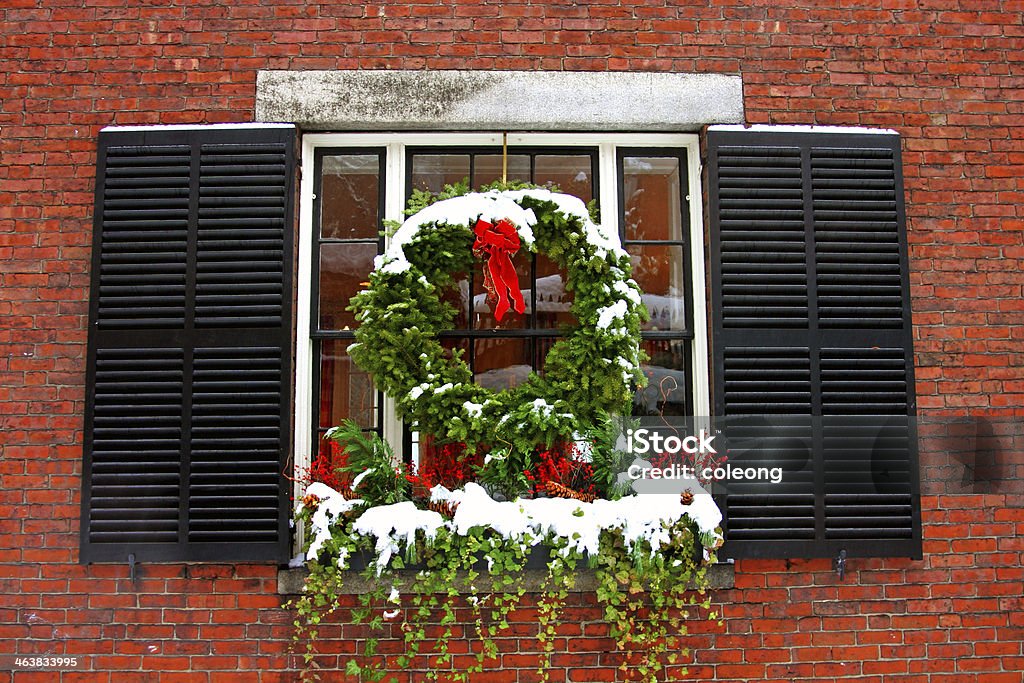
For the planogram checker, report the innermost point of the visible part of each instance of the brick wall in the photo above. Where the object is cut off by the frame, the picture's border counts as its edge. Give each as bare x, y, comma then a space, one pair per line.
947, 74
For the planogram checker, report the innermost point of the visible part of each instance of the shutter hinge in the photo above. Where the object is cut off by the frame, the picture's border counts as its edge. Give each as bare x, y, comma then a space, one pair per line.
839, 564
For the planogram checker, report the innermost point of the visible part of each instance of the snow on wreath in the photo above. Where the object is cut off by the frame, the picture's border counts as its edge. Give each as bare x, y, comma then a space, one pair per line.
590, 373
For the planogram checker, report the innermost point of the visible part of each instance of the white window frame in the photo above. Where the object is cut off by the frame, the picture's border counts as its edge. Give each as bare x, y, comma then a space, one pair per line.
394, 202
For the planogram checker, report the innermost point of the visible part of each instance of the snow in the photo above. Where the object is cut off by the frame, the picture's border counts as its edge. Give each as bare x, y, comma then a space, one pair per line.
606, 241
765, 128
473, 409
543, 407
359, 478
608, 314
574, 524
464, 210
625, 291
493, 206
395, 526
332, 505
417, 391
579, 524
193, 126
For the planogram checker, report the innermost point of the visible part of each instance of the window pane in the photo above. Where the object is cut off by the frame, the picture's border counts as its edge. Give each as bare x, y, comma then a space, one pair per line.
553, 301
543, 345
432, 172
457, 294
346, 392
667, 385
483, 306
456, 346
502, 363
344, 268
651, 198
487, 168
350, 194
659, 270
572, 173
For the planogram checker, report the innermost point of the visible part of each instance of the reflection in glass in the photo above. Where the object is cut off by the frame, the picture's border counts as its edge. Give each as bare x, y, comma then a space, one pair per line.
651, 197
572, 174
431, 172
344, 270
350, 196
659, 270
487, 168
553, 301
543, 345
501, 363
457, 294
667, 385
346, 392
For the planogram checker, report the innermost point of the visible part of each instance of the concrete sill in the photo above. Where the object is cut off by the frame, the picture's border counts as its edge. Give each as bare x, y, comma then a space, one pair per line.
290, 581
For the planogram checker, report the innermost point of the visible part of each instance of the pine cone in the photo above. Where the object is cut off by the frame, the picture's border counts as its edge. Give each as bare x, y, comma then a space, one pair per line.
310, 501
686, 497
443, 508
556, 490
347, 493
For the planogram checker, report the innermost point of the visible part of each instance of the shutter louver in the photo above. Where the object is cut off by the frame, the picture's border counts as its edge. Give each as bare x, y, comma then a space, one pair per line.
236, 442
241, 235
189, 374
136, 445
761, 222
145, 215
813, 360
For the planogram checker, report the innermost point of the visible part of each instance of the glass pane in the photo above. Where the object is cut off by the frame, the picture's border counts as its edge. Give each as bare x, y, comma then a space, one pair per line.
501, 363
667, 385
350, 196
346, 392
432, 172
553, 301
652, 204
659, 271
483, 304
487, 168
572, 173
543, 345
456, 346
458, 296
344, 270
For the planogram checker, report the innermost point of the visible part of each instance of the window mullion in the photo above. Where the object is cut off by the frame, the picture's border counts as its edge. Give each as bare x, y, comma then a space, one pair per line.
608, 186
395, 193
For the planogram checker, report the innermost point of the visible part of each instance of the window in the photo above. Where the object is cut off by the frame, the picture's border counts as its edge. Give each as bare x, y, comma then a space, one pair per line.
189, 408
642, 182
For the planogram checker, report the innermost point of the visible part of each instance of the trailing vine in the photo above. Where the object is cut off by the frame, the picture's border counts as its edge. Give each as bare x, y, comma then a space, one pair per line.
646, 587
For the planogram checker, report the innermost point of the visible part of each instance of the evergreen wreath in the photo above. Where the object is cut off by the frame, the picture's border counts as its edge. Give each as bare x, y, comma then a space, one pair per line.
590, 373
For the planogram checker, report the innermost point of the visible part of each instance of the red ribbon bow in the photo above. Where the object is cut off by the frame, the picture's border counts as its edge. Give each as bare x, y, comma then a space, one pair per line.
498, 243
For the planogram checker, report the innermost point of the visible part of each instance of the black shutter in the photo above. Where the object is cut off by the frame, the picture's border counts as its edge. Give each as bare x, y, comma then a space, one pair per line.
812, 342
188, 401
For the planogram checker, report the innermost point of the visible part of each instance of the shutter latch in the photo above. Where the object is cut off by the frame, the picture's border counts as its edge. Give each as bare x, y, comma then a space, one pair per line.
840, 564
133, 569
